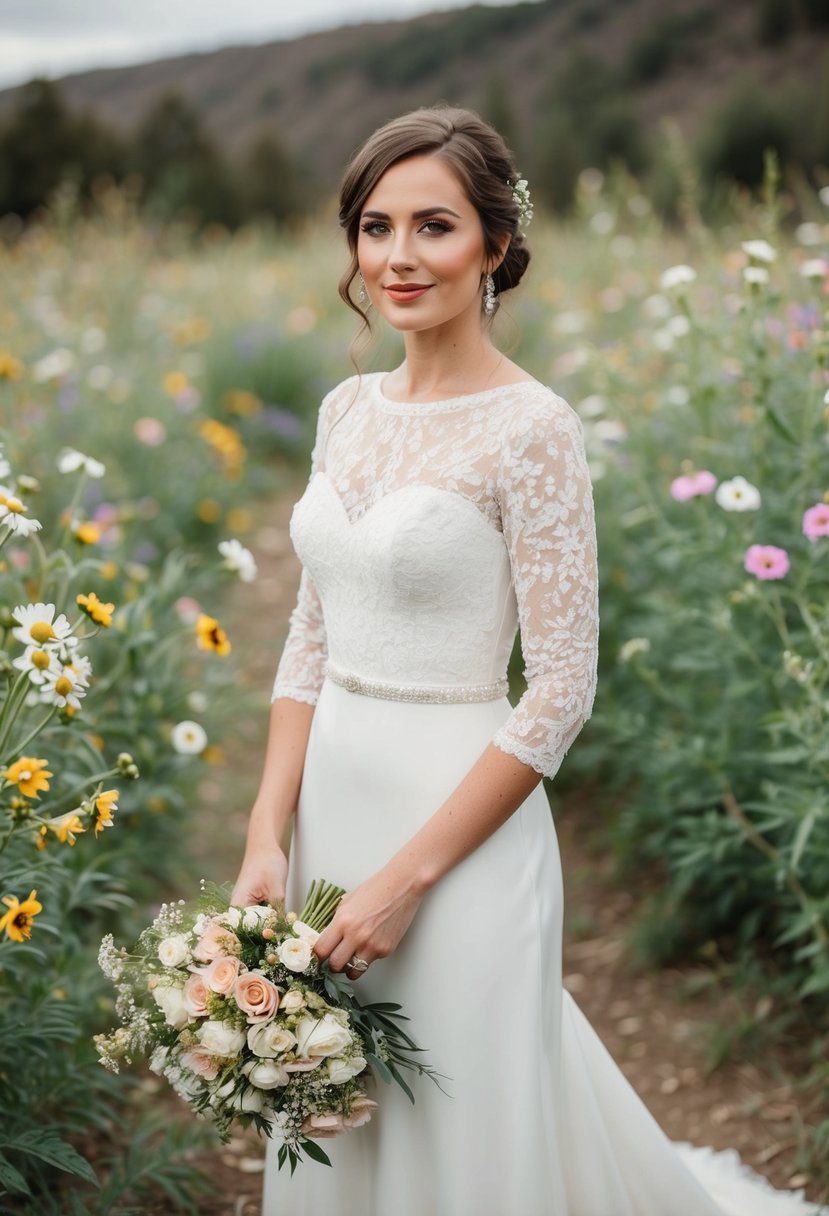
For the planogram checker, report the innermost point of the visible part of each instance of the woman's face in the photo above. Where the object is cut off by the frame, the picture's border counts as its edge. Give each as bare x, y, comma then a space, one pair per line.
420, 246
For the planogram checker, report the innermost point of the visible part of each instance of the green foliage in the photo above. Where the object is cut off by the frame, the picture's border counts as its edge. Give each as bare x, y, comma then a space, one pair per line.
737, 133
673, 38
775, 21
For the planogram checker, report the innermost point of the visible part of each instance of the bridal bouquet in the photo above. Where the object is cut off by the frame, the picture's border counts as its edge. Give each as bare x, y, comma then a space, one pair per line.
234, 1008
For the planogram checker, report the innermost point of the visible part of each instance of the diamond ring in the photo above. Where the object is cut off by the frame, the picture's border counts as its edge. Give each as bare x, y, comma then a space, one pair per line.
358, 964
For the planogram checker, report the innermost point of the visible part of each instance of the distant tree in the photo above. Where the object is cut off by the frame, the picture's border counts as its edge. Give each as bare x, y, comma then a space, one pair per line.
776, 20
42, 142
497, 108
269, 182
737, 133
181, 168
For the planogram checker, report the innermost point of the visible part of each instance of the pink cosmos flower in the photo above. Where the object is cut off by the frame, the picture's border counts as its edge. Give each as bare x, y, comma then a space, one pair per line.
691, 485
816, 521
767, 561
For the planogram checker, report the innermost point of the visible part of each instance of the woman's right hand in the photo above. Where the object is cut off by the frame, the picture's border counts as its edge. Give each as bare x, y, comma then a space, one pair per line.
261, 879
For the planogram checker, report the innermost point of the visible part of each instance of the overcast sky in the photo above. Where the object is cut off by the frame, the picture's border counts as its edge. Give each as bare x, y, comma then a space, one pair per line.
56, 37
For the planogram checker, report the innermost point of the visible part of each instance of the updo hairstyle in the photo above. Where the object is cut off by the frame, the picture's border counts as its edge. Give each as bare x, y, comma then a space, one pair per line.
480, 159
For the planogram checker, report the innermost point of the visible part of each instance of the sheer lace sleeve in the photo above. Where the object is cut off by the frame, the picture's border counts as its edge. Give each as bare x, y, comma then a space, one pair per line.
549, 527
299, 673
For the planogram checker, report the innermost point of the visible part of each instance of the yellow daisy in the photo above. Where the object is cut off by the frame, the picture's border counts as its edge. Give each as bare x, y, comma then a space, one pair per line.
29, 774
210, 634
94, 608
105, 804
17, 922
67, 827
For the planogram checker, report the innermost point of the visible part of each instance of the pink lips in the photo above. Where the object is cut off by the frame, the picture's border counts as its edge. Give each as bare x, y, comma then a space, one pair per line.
404, 292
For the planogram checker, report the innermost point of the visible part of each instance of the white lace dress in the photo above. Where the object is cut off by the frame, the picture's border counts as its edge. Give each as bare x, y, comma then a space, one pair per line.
428, 533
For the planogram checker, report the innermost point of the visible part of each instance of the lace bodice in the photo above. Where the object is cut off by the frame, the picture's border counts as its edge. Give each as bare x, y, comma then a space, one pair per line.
428, 532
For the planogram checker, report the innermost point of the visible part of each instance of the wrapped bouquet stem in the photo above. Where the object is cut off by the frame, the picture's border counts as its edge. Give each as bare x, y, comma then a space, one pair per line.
233, 1007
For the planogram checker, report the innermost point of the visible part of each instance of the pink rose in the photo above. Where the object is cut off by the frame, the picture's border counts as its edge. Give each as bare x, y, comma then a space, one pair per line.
256, 996
195, 994
320, 1127
215, 941
200, 1062
222, 974
361, 1111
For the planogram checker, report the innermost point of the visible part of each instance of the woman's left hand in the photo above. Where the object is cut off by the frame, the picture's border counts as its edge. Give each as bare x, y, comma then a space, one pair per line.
369, 922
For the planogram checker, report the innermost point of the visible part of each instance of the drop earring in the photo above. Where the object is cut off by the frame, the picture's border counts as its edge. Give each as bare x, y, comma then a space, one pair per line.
489, 296
362, 294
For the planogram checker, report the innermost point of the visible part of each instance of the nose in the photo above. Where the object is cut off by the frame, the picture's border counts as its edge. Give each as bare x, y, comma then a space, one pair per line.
401, 254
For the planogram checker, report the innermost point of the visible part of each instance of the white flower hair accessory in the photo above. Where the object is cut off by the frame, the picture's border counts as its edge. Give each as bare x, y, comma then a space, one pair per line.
521, 198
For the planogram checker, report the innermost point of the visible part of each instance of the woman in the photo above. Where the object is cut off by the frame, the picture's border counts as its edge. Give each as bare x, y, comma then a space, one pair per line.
449, 502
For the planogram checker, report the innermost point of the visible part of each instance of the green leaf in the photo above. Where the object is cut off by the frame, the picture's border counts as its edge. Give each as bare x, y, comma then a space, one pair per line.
48, 1147
11, 1179
315, 1152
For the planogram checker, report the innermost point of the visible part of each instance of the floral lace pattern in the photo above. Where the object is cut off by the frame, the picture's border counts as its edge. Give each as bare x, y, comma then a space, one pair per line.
410, 586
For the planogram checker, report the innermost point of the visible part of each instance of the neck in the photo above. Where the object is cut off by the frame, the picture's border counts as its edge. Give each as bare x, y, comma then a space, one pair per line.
443, 361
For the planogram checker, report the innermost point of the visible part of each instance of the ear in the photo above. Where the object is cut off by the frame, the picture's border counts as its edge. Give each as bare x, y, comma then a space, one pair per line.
492, 263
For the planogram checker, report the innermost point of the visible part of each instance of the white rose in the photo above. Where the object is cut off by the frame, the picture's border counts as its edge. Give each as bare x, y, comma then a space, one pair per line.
321, 1037
292, 1001
158, 1060
305, 932
248, 1100
232, 917
221, 1038
340, 1070
266, 1074
170, 1000
255, 915
174, 951
270, 1040
295, 954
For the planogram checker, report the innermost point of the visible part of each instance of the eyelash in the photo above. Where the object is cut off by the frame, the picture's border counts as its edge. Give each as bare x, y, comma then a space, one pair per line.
370, 227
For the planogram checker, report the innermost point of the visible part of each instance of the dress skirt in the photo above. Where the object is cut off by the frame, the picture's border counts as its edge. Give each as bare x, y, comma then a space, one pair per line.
536, 1118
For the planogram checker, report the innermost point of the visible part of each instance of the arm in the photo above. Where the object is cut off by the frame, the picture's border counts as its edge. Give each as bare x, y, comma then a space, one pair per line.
549, 529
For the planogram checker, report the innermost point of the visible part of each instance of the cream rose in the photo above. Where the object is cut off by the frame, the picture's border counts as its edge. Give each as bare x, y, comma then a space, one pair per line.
174, 951
304, 1065
256, 996
221, 1038
305, 932
292, 1001
321, 1037
361, 1111
256, 915
248, 1100
320, 1127
222, 974
195, 994
270, 1040
341, 1070
266, 1074
295, 954
170, 1000
200, 1062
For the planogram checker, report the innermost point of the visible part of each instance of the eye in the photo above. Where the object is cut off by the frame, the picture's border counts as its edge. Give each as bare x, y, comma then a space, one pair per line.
374, 227
436, 227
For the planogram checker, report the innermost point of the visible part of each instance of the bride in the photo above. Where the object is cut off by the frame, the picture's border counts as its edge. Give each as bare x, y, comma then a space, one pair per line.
449, 504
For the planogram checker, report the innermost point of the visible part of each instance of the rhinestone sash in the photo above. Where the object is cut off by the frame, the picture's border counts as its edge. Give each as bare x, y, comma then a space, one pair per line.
441, 694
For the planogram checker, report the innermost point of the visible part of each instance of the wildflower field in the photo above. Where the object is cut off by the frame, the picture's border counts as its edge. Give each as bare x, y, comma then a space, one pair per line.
156, 387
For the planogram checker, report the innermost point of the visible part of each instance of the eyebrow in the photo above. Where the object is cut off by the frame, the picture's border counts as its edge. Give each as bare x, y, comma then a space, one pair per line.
416, 215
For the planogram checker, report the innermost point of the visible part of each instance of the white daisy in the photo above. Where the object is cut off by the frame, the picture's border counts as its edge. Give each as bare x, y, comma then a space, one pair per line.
814, 268
760, 251
78, 663
188, 738
37, 661
677, 276
756, 275
239, 559
37, 624
737, 495
13, 514
64, 687
71, 459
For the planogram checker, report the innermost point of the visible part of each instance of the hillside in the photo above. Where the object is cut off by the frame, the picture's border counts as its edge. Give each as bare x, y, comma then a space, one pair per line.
324, 92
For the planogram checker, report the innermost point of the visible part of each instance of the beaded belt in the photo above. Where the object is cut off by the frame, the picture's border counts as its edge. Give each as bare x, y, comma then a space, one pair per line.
442, 694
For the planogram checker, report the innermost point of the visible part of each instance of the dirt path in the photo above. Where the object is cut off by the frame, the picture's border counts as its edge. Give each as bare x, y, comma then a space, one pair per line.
651, 1023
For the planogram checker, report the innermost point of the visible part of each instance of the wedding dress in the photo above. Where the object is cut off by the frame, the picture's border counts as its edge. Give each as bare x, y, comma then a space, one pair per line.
428, 533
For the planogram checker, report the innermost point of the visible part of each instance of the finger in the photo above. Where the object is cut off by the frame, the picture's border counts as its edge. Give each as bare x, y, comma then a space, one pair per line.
344, 954
354, 975
327, 942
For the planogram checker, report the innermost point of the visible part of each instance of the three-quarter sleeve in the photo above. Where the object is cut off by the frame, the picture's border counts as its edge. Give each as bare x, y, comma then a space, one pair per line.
300, 671
548, 520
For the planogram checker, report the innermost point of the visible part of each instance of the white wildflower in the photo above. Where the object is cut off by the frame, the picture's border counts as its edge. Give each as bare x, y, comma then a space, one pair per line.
737, 495
70, 459
814, 268
188, 738
239, 559
756, 276
633, 646
760, 251
677, 276
37, 625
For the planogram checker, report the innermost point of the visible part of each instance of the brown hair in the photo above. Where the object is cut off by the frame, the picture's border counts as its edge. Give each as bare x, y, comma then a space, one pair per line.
477, 154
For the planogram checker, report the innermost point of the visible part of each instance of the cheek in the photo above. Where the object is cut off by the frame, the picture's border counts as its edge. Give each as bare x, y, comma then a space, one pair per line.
459, 260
